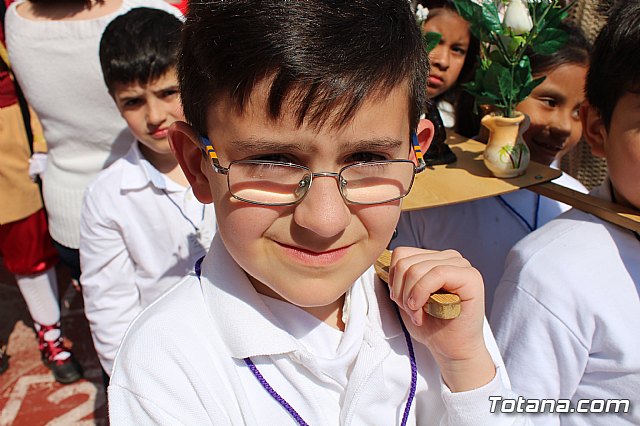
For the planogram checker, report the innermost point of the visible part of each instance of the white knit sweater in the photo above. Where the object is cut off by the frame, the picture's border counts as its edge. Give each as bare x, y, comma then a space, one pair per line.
58, 67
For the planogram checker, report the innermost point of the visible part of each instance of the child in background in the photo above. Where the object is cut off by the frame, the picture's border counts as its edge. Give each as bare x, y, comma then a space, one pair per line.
567, 311
25, 245
484, 230
141, 227
53, 47
452, 60
306, 161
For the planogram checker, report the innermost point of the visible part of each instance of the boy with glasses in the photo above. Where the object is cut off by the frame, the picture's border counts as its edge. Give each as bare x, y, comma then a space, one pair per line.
301, 121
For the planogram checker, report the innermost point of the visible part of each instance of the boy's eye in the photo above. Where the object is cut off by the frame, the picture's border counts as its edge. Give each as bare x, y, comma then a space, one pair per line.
459, 50
171, 92
360, 157
576, 113
129, 103
550, 102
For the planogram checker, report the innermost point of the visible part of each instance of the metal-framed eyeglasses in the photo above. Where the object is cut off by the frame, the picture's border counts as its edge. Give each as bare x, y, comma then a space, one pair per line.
275, 183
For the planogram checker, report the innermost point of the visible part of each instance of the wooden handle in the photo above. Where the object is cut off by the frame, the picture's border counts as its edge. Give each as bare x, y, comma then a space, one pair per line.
441, 304
606, 210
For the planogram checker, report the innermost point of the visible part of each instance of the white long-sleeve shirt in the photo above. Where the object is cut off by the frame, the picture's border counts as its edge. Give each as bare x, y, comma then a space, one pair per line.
567, 316
181, 362
140, 234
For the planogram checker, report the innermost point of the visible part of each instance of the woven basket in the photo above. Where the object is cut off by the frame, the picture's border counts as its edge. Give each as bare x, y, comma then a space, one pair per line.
580, 163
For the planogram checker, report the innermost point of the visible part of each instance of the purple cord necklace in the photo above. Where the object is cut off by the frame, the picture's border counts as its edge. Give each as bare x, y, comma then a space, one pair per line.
280, 400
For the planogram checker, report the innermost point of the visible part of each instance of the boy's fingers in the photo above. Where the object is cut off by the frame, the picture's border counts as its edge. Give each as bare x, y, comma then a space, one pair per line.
420, 284
404, 257
454, 279
406, 271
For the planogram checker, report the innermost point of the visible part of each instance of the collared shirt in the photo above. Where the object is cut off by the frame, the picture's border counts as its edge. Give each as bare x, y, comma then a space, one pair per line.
181, 362
141, 232
568, 306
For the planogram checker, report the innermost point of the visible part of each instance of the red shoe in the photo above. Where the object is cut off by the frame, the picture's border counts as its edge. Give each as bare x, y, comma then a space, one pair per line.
56, 355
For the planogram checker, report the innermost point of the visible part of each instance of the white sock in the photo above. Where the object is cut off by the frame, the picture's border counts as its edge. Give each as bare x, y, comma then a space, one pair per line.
40, 292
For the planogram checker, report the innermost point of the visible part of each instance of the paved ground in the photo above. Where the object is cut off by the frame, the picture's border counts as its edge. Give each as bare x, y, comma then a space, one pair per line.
28, 393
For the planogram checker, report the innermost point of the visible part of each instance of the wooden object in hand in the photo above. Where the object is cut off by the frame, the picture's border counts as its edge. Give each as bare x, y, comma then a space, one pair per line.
442, 304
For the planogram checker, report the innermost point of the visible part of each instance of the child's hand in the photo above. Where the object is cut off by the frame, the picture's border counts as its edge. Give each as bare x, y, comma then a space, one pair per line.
456, 344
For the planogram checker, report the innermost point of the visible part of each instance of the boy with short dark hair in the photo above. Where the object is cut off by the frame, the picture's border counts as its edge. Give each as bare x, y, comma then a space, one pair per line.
141, 226
301, 119
567, 312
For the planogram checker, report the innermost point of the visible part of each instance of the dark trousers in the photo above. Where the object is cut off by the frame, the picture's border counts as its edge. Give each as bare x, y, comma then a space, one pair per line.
70, 258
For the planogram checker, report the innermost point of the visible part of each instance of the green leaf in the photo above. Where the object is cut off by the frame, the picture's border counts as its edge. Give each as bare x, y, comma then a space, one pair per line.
430, 40
550, 40
491, 18
467, 9
497, 81
528, 88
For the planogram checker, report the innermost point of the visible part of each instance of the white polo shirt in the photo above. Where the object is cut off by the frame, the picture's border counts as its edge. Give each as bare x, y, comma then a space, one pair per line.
181, 361
567, 315
140, 233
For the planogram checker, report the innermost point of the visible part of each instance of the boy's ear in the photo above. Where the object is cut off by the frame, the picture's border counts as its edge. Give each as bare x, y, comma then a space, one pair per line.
593, 129
425, 134
186, 146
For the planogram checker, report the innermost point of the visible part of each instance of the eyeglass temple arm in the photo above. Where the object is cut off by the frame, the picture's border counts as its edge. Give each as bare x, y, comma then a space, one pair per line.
418, 152
209, 152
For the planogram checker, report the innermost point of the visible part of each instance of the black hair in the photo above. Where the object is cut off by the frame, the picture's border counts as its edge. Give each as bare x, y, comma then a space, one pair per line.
139, 46
575, 51
615, 60
327, 56
470, 60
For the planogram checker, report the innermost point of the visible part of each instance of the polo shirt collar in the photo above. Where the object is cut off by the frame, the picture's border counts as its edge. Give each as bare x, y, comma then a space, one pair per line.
248, 326
138, 173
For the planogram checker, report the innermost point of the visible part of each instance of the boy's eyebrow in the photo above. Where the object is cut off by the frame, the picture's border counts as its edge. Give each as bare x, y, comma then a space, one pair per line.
267, 145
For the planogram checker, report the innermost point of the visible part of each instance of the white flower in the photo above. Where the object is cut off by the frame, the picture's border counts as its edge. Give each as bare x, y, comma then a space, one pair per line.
517, 17
421, 13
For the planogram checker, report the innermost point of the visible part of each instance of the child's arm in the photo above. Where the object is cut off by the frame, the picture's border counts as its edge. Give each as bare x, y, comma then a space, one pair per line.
457, 345
545, 356
111, 298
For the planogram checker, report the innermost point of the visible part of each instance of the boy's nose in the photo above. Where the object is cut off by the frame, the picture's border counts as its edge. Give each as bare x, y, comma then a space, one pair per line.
439, 57
155, 114
323, 210
560, 125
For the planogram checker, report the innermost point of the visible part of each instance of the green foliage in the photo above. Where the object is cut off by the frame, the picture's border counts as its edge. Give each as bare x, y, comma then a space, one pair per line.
504, 78
430, 40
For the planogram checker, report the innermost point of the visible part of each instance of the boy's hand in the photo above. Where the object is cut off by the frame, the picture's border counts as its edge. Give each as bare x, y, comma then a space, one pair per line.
456, 344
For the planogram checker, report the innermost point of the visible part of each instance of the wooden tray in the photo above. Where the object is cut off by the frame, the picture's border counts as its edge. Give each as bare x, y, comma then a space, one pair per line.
467, 179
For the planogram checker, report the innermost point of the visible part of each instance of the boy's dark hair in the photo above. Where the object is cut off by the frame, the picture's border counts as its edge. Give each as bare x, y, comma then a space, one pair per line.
139, 46
325, 55
615, 62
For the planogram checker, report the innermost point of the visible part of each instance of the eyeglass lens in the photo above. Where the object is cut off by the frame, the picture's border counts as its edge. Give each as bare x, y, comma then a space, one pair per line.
282, 184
